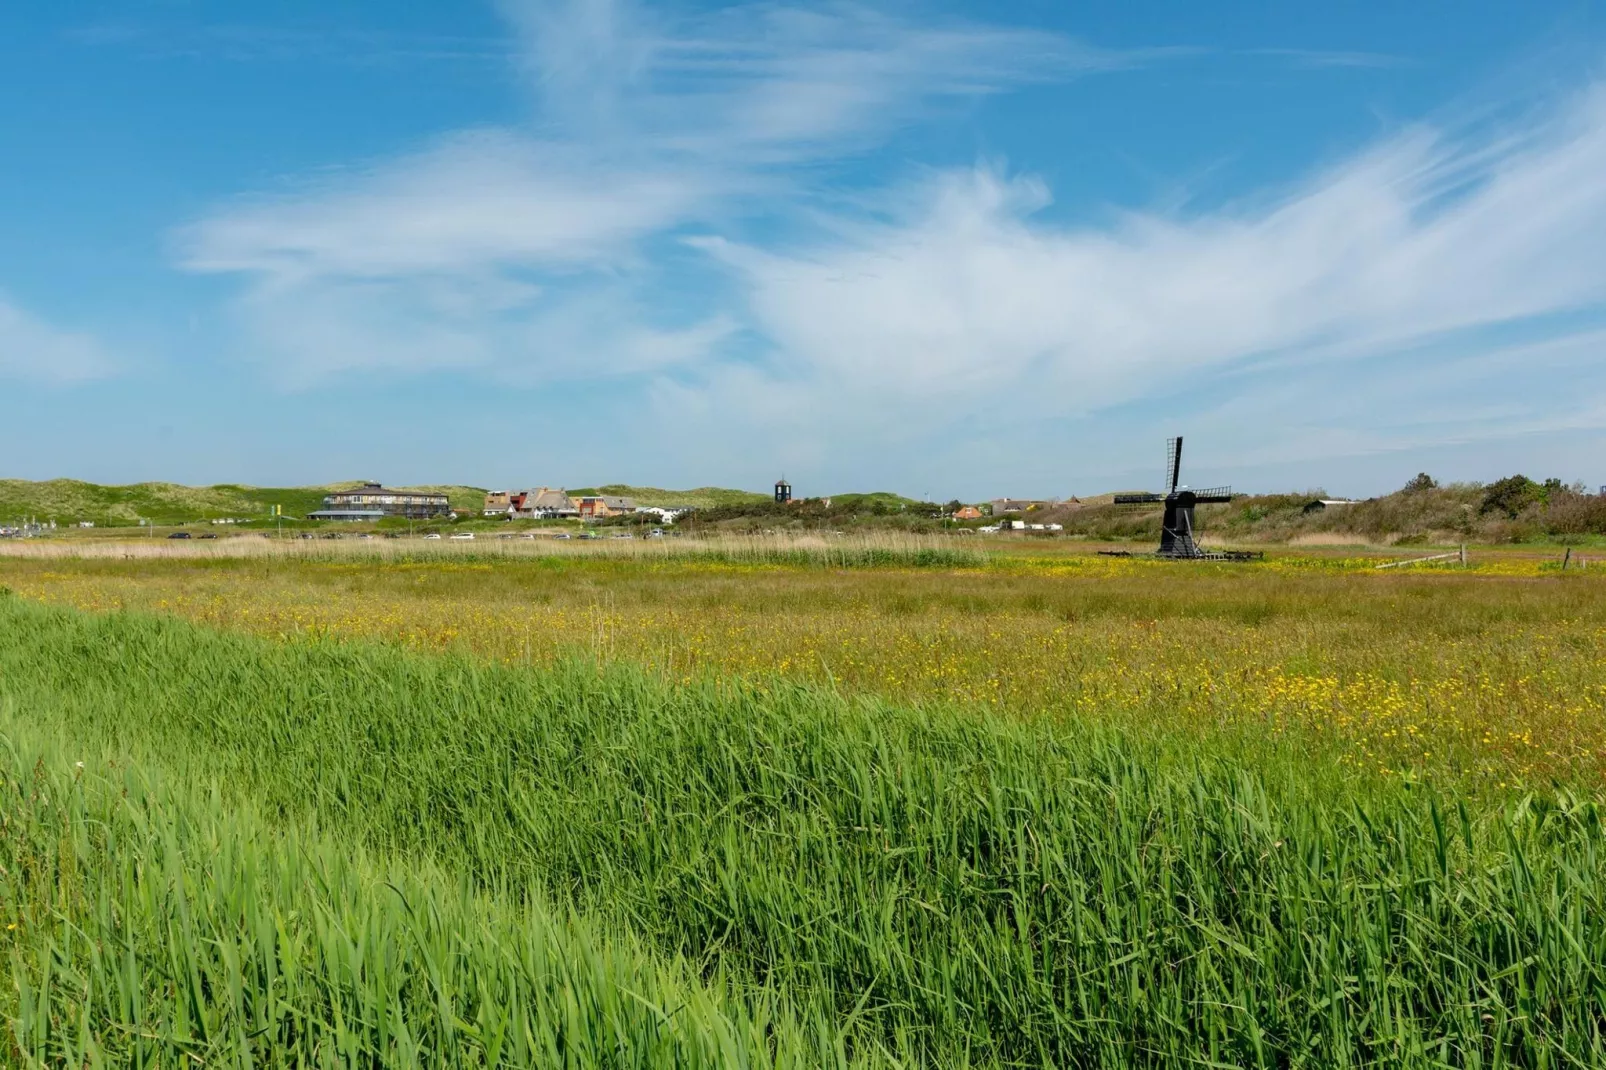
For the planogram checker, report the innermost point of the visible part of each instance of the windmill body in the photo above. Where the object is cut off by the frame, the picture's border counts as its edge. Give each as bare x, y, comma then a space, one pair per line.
1176, 526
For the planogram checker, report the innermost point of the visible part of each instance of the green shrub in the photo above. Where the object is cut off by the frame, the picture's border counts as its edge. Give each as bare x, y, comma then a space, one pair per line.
1419, 483
1510, 495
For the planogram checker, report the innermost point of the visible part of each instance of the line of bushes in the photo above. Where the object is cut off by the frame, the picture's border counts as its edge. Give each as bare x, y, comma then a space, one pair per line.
1513, 509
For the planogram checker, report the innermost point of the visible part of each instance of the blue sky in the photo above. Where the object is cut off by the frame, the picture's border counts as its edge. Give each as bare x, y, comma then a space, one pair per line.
945, 249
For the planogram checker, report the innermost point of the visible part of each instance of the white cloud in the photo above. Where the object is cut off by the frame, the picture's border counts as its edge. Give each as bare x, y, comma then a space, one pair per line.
605, 239
970, 303
34, 350
765, 81
459, 254
304, 333
475, 202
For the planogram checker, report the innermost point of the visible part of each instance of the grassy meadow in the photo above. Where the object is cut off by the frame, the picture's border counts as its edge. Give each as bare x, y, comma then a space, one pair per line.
890, 805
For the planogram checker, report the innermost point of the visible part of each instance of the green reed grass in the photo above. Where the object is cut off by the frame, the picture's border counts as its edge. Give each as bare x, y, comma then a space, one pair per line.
150, 924
947, 888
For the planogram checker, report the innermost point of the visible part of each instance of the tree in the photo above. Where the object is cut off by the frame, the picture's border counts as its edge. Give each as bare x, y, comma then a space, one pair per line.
1510, 495
1420, 482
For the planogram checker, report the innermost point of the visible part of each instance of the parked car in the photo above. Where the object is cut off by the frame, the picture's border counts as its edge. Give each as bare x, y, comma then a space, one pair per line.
207, 535
179, 535
563, 535
462, 535
433, 535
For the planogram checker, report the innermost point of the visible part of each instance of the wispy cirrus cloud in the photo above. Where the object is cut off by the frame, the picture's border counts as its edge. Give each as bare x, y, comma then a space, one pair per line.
759, 81
642, 126
34, 350
658, 146
479, 201
304, 334
965, 303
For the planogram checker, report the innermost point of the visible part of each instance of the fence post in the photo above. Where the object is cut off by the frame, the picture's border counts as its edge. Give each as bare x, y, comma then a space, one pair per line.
1463, 555
1566, 557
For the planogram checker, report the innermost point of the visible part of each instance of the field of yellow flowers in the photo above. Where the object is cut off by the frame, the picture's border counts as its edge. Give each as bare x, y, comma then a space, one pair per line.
1494, 674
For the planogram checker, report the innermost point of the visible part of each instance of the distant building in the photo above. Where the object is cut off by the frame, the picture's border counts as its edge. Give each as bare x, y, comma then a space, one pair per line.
665, 514
1322, 504
498, 503
544, 503
372, 501
967, 512
1016, 505
783, 491
596, 507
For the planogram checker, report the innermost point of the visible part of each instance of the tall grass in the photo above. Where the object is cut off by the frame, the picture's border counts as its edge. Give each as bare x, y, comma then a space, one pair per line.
1418, 673
150, 924
950, 888
879, 550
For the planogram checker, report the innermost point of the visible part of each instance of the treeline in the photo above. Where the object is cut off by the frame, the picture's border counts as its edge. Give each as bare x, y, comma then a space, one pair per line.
880, 509
1514, 509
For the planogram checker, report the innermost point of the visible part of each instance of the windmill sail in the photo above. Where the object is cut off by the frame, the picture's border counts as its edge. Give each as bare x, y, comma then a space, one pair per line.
1173, 463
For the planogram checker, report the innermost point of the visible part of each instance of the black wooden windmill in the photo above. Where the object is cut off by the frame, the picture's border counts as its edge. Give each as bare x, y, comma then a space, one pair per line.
1176, 529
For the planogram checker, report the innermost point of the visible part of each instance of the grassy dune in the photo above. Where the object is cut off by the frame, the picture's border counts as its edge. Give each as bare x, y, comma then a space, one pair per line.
696, 498
342, 849
72, 500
